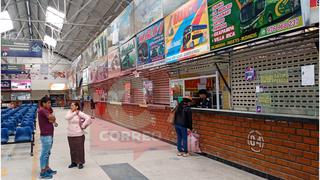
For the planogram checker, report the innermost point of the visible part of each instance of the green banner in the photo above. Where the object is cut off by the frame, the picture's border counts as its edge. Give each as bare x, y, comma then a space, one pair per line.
236, 21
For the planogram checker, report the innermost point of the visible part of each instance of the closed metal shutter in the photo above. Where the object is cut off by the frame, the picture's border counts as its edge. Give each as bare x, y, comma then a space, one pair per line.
288, 55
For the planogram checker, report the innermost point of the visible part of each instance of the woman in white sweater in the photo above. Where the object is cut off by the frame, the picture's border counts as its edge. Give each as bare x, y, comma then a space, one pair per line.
77, 121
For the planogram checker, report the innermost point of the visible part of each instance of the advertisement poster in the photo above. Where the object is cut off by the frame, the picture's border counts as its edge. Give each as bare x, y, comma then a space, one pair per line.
113, 35
273, 77
16, 76
114, 67
150, 44
102, 69
85, 78
100, 45
5, 85
232, 22
16, 48
22, 85
58, 74
128, 55
146, 12
98, 70
171, 5
88, 56
187, 31
126, 24
148, 92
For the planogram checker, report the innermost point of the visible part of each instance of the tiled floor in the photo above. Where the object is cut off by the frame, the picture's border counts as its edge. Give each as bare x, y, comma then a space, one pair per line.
113, 159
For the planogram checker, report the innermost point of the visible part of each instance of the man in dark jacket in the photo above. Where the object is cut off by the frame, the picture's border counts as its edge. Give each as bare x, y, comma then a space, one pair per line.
204, 102
183, 124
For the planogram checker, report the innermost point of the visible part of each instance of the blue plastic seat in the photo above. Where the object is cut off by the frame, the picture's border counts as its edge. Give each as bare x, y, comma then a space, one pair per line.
10, 126
23, 134
28, 124
4, 135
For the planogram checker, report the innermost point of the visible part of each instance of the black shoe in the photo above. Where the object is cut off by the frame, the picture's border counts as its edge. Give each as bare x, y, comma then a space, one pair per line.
80, 166
72, 165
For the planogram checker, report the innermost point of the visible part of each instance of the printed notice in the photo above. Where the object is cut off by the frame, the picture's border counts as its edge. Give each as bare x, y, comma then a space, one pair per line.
307, 75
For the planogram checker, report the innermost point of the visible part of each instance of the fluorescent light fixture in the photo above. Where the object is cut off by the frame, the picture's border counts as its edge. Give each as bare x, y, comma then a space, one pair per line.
50, 41
58, 86
55, 17
28, 8
5, 21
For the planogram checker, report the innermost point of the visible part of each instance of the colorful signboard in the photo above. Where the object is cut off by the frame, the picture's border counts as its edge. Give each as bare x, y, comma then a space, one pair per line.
187, 31
128, 55
232, 22
15, 48
126, 24
100, 45
13, 69
85, 78
21, 85
113, 35
150, 45
114, 67
5, 85
146, 12
98, 70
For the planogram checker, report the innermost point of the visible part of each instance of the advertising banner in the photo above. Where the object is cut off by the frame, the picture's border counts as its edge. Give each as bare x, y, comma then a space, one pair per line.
146, 12
100, 45
13, 69
114, 67
187, 31
15, 48
85, 78
113, 35
150, 45
126, 24
233, 22
102, 69
98, 70
128, 55
22, 85
5, 85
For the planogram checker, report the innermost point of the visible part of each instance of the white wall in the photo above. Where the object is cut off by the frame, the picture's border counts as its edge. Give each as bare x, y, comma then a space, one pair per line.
42, 82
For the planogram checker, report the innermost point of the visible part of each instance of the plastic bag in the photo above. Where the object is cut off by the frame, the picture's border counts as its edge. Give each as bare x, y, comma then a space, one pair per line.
193, 143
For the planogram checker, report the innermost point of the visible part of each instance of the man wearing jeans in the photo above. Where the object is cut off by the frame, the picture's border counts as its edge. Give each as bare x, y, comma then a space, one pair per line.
46, 136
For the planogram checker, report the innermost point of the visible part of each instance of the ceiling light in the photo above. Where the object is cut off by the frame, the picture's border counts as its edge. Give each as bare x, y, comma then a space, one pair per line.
55, 17
50, 41
5, 21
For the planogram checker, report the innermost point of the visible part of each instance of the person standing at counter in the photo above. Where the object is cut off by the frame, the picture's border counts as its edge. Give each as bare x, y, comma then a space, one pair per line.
204, 102
183, 124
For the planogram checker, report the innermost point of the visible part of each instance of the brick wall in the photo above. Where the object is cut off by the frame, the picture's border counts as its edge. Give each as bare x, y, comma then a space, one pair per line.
290, 149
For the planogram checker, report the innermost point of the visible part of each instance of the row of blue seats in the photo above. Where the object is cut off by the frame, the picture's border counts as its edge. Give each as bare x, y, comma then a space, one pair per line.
23, 134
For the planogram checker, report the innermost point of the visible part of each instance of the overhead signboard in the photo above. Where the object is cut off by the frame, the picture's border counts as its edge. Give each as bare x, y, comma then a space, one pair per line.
114, 67
100, 45
232, 22
128, 55
21, 85
150, 46
5, 85
13, 69
187, 31
126, 24
113, 35
146, 12
10, 48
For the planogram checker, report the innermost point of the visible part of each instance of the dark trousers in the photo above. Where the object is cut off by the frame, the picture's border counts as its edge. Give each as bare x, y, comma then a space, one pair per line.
182, 138
76, 145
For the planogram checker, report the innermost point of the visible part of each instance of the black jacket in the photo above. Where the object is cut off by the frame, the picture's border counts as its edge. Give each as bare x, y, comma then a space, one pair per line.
183, 116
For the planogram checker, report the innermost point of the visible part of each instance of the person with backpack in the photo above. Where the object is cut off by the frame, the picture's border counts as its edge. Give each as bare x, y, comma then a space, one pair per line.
77, 122
183, 124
